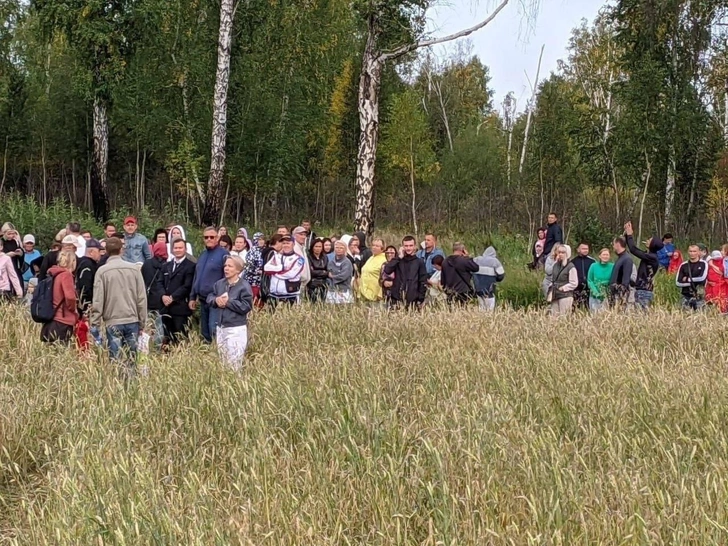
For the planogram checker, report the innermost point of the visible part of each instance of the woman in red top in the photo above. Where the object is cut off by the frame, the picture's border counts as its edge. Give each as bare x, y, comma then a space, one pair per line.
716, 289
64, 301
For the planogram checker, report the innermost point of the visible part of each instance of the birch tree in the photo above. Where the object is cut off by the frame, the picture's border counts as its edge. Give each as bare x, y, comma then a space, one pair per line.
373, 60
213, 195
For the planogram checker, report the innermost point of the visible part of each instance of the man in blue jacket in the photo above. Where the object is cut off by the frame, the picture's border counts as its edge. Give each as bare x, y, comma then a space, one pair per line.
430, 251
209, 270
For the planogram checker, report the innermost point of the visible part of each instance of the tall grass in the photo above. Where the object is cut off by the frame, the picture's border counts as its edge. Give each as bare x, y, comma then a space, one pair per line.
351, 426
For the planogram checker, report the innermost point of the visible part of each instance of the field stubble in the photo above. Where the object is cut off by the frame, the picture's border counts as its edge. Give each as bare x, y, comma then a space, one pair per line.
350, 426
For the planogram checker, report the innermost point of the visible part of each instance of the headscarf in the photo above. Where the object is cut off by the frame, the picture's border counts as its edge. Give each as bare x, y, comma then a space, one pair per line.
159, 250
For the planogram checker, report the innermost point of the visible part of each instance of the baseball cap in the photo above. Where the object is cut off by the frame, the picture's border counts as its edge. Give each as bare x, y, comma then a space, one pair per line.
29, 239
70, 240
130, 220
93, 243
286, 238
300, 229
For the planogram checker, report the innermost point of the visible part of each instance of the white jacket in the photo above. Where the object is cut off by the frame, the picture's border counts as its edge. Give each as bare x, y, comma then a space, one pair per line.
284, 268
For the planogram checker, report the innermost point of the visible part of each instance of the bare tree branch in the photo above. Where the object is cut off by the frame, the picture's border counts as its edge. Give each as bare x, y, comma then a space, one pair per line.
403, 50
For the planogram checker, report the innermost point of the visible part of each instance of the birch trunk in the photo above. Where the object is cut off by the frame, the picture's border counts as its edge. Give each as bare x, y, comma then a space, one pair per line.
213, 197
445, 120
670, 185
647, 175
531, 105
369, 86
99, 173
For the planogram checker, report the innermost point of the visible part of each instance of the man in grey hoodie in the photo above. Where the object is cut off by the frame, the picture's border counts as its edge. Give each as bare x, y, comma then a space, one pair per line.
489, 273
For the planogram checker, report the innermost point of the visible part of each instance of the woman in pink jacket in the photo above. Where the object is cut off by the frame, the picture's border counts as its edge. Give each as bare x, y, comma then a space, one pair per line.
9, 282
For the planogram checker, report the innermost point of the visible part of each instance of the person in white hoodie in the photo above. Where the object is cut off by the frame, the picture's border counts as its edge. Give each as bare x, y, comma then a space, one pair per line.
177, 232
299, 238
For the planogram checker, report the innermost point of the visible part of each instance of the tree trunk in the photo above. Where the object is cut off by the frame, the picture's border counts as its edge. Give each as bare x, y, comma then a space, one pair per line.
531, 106
99, 166
412, 185
219, 116
670, 185
5, 163
369, 87
647, 175
446, 121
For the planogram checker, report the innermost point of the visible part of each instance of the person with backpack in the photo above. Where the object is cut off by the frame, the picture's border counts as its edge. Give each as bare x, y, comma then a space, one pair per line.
59, 290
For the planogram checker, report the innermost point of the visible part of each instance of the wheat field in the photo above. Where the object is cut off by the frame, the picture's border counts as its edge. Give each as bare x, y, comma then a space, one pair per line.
353, 426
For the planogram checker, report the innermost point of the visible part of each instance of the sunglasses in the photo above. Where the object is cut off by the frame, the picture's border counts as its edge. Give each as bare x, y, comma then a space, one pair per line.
206, 237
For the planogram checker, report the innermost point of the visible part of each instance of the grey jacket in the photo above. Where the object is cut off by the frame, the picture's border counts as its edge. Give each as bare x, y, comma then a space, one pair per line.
239, 304
341, 274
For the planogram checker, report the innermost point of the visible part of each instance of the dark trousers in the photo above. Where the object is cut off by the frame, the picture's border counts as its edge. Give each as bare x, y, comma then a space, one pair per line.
175, 327
316, 294
54, 331
459, 300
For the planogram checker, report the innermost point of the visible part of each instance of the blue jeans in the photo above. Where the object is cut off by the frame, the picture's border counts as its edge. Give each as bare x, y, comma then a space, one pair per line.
122, 340
643, 299
692, 304
209, 317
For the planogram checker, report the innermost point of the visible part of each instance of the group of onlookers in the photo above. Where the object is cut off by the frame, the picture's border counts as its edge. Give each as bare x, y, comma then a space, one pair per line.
583, 282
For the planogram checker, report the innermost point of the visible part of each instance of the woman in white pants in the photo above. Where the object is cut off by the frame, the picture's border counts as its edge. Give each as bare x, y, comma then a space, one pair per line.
234, 297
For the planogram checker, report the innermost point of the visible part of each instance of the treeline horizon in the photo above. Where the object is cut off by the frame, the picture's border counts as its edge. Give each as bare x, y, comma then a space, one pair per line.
632, 125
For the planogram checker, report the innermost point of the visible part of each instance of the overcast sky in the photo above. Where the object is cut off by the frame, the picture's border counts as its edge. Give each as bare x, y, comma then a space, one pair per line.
510, 44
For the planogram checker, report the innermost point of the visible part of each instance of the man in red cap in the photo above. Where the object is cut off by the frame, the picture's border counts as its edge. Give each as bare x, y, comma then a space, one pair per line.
136, 246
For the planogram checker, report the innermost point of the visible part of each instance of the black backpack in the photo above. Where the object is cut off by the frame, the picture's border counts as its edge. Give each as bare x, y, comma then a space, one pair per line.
41, 306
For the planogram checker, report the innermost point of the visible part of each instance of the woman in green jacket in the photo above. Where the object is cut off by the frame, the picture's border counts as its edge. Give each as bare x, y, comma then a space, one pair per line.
598, 281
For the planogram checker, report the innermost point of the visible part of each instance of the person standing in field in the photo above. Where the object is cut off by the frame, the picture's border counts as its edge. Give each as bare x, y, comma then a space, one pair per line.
65, 317
11, 245
120, 302
716, 292
490, 272
136, 246
209, 270
387, 279
178, 232
285, 269
648, 268
341, 274
582, 262
300, 235
620, 283
233, 298
74, 230
409, 287
435, 292
370, 289
565, 281
430, 251
318, 264
548, 270
537, 249
179, 274
10, 284
86, 269
457, 275
253, 272
30, 255
153, 275
554, 234
109, 230
691, 278
664, 255
598, 279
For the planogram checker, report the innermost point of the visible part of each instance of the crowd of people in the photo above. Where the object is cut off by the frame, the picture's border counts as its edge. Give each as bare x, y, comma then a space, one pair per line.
629, 281
127, 285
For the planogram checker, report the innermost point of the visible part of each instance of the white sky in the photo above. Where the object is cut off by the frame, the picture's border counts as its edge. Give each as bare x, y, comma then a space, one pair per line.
511, 43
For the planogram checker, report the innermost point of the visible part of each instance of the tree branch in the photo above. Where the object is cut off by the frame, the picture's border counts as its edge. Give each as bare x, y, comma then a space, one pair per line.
403, 50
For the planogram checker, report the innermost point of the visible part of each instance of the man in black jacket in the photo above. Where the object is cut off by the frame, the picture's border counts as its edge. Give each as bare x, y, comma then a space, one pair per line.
691, 278
178, 276
86, 273
649, 265
554, 235
410, 276
457, 275
620, 283
153, 275
582, 263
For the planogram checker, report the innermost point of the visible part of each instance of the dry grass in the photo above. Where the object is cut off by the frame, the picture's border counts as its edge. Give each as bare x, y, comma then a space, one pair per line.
353, 427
